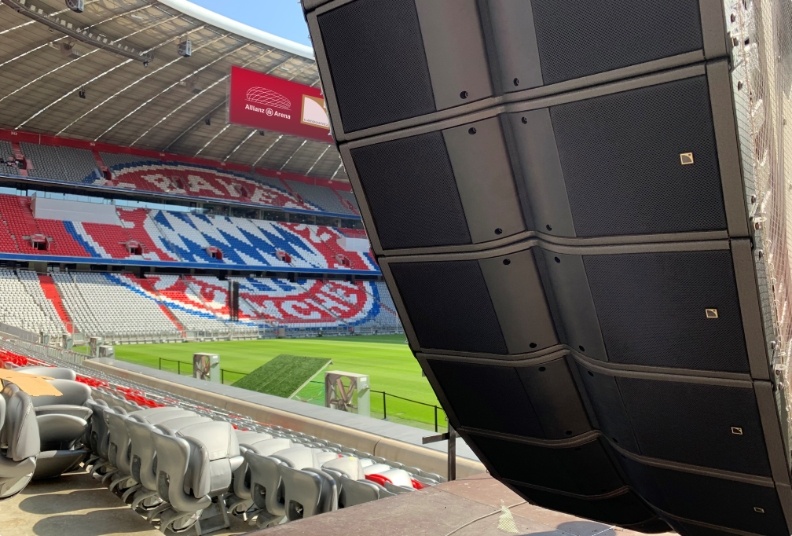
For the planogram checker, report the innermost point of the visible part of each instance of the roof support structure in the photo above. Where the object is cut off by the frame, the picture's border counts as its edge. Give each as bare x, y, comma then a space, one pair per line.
83, 36
239, 145
130, 86
188, 101
297, 150
213, 138
100, 75
173, 85
271, 145
28, 23
32, 50
318, 158
59, 67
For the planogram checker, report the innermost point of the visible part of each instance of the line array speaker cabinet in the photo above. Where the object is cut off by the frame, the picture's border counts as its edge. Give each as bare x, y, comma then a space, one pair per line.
579, 208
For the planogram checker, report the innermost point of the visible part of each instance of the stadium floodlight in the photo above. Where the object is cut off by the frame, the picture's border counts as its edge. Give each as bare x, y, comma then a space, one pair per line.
185, 48
78, 6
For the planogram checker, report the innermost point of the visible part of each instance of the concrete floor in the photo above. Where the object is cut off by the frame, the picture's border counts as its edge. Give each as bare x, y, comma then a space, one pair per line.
76, 505
467, 507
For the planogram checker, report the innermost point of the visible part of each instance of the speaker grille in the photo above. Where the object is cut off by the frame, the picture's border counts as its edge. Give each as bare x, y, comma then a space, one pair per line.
623, 509
692, 423
582, 470
719, 501
412, 192
622, 163
382, 40
449, 306
652, 308
578, 39
471, 387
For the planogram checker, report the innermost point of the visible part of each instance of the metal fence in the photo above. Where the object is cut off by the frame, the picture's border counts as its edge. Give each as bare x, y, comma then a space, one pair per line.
185, 368
387, 406
233, 333
384, 405
36, 350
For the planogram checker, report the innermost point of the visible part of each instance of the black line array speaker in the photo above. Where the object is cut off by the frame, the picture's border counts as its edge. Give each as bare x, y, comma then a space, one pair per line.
233, 300
572, 204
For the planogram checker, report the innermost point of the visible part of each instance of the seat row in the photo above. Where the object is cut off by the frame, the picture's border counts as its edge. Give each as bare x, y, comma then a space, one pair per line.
184, 465
179, 468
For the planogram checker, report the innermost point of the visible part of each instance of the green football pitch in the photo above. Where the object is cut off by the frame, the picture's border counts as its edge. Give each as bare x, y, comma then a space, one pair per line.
386, 359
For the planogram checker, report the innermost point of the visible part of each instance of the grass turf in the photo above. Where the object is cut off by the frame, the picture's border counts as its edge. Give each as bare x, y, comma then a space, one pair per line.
282, 376
385, 358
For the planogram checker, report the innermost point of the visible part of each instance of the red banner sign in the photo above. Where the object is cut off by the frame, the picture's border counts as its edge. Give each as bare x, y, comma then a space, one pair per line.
268, 103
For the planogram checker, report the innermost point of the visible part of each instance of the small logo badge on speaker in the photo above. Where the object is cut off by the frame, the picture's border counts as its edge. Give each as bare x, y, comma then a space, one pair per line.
687, 159
736, 430
712, 314
759, 510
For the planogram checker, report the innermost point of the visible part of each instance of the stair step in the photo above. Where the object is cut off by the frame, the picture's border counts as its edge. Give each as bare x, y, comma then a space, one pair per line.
52, 294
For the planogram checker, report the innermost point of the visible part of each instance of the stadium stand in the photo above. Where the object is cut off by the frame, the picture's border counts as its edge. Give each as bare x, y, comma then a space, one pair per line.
7, 154
262, 473
175, 294
119, 160
159, 235
23, 307
128, 313
349, 197
150, 174
323, 197
61, 163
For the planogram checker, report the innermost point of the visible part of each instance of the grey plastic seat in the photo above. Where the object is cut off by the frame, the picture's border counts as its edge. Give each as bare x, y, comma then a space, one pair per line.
158, 415
355, 492
247, 436
20, 440
59, 373
72, 400
266, 488
142, 453
398, 490
307, 492
98, 436
177, 423
212, 457
242, 484
297, 456
118, 450
181, 480
61, 444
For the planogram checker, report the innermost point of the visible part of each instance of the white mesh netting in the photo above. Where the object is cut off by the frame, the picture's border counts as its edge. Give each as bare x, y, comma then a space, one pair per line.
761, 33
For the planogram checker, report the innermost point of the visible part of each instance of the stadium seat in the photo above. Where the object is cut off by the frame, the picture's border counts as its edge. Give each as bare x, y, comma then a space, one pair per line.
72, 400
59, 373
354, 492
61, 446
180, 467
19, 434
201, 458
307, 492
242, 483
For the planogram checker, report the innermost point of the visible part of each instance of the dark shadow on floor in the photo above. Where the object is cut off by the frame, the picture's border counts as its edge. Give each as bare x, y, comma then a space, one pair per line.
74, 501
96, 523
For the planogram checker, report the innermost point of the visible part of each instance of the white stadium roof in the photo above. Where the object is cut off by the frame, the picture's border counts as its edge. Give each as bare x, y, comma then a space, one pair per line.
138, 90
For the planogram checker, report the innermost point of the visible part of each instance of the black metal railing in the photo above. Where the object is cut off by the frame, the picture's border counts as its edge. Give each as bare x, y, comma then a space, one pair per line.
383, 405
